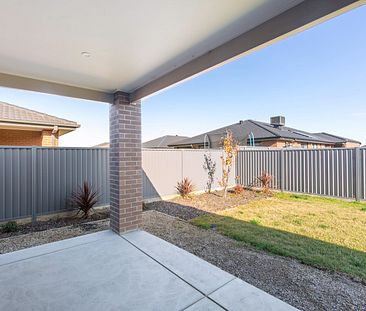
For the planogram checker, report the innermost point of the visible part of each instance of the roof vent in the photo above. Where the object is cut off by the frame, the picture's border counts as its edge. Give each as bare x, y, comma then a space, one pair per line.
241, 121
278, 121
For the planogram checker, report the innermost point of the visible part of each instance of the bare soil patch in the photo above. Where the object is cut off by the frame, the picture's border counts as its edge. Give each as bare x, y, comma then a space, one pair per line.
200, 204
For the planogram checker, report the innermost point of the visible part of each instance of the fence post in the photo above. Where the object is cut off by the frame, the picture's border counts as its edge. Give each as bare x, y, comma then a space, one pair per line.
34, 188
282, 170
357, 190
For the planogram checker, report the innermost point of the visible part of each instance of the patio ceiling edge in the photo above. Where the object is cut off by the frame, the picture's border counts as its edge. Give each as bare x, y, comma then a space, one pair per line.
29, 84
299, 18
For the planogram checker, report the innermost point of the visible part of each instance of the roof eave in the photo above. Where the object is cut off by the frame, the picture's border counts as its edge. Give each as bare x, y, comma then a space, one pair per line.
46, 124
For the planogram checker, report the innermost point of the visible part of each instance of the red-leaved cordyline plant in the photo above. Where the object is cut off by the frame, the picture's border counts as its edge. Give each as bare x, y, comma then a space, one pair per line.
265, 179
84, 199
185, 187
230, 149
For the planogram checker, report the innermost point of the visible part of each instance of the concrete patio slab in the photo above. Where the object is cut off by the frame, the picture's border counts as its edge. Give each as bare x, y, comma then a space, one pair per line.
197, 272
107, 274
53, 247
239, 295
136, 271
205, 304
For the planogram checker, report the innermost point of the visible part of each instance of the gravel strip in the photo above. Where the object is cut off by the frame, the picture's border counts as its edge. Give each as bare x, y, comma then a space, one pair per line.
18, 242
302, 286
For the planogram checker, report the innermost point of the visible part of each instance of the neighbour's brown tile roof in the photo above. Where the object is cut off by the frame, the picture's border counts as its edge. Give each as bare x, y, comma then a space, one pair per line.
14, 114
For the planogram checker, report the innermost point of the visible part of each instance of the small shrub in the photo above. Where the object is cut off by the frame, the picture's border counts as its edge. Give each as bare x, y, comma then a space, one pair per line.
84, 199
10, 226
265, 179
185, 187
238, 189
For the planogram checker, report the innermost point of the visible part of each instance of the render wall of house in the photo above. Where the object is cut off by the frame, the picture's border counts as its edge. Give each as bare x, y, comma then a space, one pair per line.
28, 138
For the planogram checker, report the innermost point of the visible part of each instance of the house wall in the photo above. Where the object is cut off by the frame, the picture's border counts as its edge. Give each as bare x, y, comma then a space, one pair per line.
351, 145
292, 144
28, 138
49, 139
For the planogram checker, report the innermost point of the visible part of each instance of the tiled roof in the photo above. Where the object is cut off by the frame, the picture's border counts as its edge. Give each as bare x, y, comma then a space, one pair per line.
261, 131
14, 114
160, 142
163, 141
335, 138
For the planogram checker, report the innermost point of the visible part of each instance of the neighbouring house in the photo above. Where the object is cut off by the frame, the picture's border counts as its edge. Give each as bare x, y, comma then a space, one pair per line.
339, 142
157, 143
20, 126
273, 134
102, 145
163, 141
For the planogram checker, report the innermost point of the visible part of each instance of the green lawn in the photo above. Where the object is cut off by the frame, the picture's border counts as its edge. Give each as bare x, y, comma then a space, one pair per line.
323, 232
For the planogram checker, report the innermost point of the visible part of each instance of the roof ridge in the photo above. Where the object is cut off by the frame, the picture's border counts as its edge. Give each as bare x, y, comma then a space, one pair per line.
262, 127
164, 138
37, 112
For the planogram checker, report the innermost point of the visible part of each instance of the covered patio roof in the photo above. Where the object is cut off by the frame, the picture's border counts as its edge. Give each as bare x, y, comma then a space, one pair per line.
91, 50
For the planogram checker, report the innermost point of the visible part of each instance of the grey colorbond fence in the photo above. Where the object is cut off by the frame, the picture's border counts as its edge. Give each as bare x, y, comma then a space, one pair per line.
38, 181
337, 172
165, 167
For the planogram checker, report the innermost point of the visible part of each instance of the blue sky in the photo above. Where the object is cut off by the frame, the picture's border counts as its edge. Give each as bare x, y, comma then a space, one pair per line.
316, 79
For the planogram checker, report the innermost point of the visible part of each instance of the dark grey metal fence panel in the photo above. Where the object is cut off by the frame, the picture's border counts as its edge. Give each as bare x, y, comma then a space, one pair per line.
42, 179
253, 163
363, 173
15, 183
330, 172
327, 172
60, 171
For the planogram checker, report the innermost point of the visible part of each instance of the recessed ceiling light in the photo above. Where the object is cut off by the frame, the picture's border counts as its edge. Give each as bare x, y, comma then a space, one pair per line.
86, 54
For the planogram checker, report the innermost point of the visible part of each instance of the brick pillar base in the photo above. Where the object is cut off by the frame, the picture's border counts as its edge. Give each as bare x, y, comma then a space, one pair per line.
125, 164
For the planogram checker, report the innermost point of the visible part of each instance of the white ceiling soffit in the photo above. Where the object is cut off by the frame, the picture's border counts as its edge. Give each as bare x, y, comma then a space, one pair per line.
101, 46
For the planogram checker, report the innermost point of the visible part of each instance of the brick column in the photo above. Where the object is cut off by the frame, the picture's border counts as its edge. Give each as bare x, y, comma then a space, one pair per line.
125, 164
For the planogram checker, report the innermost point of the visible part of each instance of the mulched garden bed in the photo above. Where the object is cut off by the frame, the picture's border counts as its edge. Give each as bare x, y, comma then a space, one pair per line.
197, 205
57, 223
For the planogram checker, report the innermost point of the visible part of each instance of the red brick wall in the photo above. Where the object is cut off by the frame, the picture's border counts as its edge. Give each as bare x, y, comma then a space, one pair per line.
27, 138
49, 139
20, 138
283, 144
